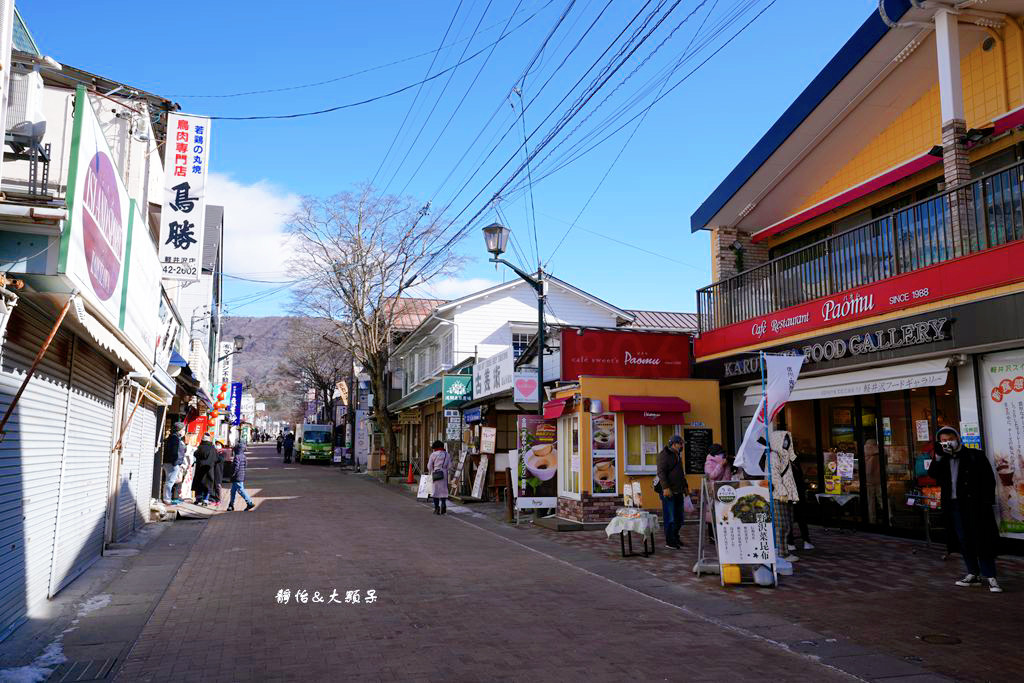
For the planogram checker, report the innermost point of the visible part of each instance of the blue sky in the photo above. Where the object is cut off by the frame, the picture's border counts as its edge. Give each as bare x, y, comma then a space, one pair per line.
631, 246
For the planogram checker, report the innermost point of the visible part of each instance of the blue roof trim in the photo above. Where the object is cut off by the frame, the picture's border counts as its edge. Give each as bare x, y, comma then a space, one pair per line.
866, 37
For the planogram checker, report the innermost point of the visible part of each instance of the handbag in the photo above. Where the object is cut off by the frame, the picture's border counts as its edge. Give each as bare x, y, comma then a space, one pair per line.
438, 475
657, 485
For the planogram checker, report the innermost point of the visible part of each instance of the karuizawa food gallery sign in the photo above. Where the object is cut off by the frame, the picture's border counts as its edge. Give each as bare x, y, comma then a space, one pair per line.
886, 339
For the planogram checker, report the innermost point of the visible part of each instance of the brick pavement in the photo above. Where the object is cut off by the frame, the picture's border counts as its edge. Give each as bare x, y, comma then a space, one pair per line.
456, 602
889, 595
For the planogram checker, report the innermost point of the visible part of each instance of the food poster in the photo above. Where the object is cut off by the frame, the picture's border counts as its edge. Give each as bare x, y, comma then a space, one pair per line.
538, 459
603, 437
743, 521
1002, 392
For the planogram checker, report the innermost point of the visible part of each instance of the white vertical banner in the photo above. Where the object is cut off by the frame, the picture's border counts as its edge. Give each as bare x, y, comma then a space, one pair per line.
227, 365
183, 212
781, 375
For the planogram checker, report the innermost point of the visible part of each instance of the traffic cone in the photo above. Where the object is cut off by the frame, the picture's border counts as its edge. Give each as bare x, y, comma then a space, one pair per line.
409, 479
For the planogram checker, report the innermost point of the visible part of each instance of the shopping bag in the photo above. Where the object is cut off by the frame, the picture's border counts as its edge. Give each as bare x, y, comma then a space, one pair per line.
688, 508
426, 486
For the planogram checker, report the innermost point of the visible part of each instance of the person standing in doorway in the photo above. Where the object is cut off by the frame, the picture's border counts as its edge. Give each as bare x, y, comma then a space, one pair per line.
238, 479
439, 465
672, 481
173, 459
968, 488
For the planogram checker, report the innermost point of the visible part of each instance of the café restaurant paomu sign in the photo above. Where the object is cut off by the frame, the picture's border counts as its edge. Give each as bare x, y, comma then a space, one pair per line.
608, 353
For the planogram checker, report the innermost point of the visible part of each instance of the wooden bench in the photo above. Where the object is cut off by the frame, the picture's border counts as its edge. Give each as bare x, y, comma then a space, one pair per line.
498, 487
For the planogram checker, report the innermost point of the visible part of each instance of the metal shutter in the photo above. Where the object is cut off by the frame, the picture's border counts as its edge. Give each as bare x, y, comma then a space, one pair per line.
83, 490
30, 461
136, 476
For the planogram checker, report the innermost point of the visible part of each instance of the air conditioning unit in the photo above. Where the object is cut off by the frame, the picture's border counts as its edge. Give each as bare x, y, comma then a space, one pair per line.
25, 106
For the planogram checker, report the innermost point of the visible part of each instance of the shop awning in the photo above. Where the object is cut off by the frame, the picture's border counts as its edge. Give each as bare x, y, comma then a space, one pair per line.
432, 390
650, 410
555, 408
924, 373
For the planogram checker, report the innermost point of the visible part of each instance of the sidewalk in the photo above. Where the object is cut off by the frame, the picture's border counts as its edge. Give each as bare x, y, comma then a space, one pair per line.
872, 593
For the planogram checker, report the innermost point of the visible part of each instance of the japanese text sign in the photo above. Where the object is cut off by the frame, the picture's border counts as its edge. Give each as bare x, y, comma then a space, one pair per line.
183, 212
604, 353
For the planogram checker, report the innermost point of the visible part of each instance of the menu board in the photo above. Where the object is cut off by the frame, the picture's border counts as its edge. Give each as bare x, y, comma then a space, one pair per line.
696, 444
604, 455
481, 477
743, 522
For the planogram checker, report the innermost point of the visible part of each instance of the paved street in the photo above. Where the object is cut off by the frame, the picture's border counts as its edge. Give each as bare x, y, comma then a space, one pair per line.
454, 601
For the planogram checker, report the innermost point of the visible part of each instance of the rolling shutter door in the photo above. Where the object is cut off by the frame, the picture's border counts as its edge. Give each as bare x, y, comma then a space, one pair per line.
83, 493
30, 461
136, 483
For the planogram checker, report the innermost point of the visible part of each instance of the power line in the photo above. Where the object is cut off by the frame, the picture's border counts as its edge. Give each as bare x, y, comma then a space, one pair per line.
361, 71
419, 90
376, 98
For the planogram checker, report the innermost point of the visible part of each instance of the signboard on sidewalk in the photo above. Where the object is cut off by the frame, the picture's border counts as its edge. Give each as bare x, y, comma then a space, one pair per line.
743, 523
537, 463
183, 212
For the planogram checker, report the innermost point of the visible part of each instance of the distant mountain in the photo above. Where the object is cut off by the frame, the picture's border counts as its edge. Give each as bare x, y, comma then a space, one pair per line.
266, 344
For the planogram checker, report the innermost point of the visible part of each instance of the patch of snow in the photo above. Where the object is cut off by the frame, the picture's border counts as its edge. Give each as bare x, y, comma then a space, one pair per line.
94, 603
39, 670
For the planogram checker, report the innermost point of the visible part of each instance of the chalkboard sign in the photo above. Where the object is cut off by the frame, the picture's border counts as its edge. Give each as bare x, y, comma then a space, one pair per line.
696, 444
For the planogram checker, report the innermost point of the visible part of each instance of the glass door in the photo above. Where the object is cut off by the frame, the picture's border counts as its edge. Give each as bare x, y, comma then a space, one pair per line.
871, 438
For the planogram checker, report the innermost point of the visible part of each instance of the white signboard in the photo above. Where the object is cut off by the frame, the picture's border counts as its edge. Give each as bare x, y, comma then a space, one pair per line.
183, 212
488, 436
743, 522
525, 388
481, 477
493, 375
248, 405
362, 437
95, 235
1002, 393
261, 407
141, 296
226, 366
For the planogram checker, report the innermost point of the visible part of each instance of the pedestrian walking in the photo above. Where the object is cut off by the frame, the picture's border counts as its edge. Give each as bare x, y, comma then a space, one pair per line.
289, 445
673, 489
717, 467
439, 465
969, 493
173, 459
238, 479
218, 474
280, 442
202, 483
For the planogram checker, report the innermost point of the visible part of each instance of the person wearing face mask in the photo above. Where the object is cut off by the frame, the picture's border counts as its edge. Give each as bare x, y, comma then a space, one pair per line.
968, 493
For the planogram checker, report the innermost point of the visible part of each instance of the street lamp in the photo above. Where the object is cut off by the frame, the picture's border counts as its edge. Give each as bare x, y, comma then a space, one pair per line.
239, 345
496, 239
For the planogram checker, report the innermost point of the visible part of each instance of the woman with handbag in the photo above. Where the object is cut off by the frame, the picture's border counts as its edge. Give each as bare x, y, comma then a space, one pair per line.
439, 465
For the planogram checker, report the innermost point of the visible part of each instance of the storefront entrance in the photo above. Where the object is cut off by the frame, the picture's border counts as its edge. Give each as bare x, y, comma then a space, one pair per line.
874, 447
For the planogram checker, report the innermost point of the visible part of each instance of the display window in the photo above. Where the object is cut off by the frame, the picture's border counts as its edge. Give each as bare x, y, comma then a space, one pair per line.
643, 443
506, 438
569, 455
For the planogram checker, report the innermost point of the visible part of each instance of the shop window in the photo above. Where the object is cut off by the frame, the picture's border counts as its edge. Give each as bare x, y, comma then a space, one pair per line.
569, 455
799, 422
506, 437
448, 350
520, 341
644, 442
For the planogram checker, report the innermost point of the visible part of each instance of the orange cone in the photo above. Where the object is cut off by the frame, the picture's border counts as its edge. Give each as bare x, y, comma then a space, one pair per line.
409, 479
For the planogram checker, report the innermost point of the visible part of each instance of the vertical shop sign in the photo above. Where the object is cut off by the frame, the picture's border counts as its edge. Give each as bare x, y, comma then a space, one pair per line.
481, 477
538, 462
743, 522
236, 403
183, 213
1002, 393
604, 441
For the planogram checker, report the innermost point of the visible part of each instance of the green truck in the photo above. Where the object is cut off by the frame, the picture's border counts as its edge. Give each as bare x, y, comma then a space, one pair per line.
313, 443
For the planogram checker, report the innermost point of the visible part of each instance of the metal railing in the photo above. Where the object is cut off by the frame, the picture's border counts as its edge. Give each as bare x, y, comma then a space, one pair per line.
982, 215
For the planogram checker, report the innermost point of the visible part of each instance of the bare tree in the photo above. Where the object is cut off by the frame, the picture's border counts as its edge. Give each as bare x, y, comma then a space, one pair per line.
359, 253
316, 362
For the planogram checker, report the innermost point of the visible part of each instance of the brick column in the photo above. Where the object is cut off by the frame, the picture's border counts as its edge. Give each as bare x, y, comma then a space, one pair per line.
957, 174
724, 264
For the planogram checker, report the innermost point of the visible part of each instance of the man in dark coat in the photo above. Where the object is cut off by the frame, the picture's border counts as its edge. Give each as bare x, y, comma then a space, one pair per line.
289, 444
968, 494
672, 480
173, 457
206, 459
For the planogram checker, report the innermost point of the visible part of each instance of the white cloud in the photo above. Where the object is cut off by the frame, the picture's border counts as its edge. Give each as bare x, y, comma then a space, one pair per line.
254, 220
452, 287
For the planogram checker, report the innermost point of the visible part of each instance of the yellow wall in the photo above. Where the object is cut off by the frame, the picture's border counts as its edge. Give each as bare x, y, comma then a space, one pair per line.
705, 411
989, 90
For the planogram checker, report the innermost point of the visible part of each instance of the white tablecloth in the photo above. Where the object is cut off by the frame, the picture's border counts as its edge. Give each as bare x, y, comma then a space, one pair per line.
840, 498
645, 524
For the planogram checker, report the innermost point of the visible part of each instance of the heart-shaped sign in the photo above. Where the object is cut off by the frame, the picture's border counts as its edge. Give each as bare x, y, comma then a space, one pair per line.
526, 387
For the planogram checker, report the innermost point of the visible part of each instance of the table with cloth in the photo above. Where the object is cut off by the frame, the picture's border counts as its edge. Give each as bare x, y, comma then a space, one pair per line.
628, 521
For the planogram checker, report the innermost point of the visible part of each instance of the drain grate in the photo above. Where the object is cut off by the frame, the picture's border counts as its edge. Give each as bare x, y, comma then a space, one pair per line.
91, 670
940, 639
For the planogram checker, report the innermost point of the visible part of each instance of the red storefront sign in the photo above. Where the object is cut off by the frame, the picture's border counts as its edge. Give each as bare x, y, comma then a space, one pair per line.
606, 353
650, 410
965, 275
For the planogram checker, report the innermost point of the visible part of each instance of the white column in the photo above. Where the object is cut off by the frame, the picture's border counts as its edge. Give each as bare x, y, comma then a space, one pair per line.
947, 43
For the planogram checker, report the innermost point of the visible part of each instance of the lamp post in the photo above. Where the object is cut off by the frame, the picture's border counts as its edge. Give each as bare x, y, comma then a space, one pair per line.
496, 239
239, 345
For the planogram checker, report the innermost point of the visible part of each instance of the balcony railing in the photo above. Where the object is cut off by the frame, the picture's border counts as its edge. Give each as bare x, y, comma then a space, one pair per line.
982, 215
